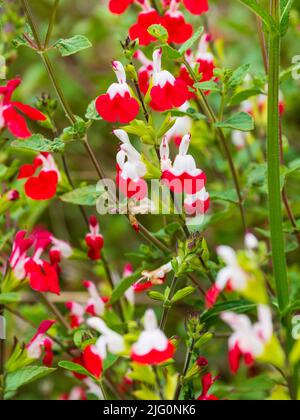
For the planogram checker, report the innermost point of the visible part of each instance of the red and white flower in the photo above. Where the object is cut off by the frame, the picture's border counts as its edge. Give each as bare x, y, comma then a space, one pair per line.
183, 175
167, 91
40, 343
41, 186
197, 7
130, 169
233, 276
118, 104
152, 347
96, 304
197, 204
145, 73
94, 355
152, 278
146, 18
248, 341
119, 6
94, 240
182, 126
207, 382
174, 21
77, 312
11, 113
60, 250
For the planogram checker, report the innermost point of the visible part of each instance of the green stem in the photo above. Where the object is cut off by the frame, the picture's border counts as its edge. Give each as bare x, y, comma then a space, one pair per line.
167, 307
51, 24
2, 360
273, 160
188, 359
157, 380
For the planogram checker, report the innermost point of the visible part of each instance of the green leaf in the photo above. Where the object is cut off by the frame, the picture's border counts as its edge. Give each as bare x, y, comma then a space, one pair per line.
262, 13
123, 286
182, 294
286, 6
230, 196
7, 298
156, 296
242, 96
91, 112
207, 86
25, 376
159, 32
190, 112
240, 121
170, 53
85, 196
73, 45
144, 131
238, 76
38, 143
238, 306
74, 367
146, 394
142, 373
189, 44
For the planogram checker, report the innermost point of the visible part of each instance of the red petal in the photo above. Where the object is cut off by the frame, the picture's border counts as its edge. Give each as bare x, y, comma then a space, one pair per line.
170, 96
42, 187
30, 112
179, 31
196, 7
16, 123
212, 296
155, 357
235, 356
119, 6
140, 29
26, 171
119, 109
92, 362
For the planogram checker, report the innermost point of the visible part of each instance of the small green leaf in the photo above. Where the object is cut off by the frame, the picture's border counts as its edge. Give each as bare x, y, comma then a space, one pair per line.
262, 13
286, 6
159, 32
238, 76
170, 53
91, 112
190, 43
72, 45
240, 121
123, 286
230, 196
207, 86
182, 294
85, 196
25, 376
74, 367
156, 296
242, 96
38, 143
238, 306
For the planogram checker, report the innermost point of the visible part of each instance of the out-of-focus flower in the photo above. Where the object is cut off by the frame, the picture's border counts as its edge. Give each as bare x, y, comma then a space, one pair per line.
40, 343
13, 195
152, 347
196, 7
207, 382
119, 6
96, 304
130, 169
182, 126
94, 240
248, 341
118, 104
167, 91
174, 21
145, 72
10, 118
76, 314
44, 185
152, 278
76, 394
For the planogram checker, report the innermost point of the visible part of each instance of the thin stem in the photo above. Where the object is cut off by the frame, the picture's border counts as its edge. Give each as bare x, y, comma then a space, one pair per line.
56, 312
209, 112
273, 161
32, 23
187, 362
157, 380
51, 24
167, 307
263, 44
2, 358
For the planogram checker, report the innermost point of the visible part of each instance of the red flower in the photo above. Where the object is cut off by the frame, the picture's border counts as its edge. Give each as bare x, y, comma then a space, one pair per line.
174, 21
42, 276
76, 314
119, 6
39, 342
207, 383
94, 240
196, 7
167, 92
140, 29
44, 185
118, 105
10, 118
92, 361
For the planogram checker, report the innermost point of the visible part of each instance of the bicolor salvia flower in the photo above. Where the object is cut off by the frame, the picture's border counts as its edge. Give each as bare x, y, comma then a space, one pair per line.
94, 355
11, 112
42, 177
77, 313
118, 105
145, 72
146, 18
130, 169
94, 240
152, 278
183, 175
40, 344
232, 277
152, 347
96, 304
248, 341
167, 91
174, 21
43, 276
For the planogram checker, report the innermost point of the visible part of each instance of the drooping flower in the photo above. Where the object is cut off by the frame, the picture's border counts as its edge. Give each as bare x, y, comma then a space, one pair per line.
18, 256
207, 382
118, 104
152, 347
248, 341
167, 91
96, 304
60, 250
197, 204
146, 18
94, 355
183, 175
119, 6
130, 169
77, 312
233, 276
182, 126
40, 343
196, 7
94, 240
42, 186
152, 278
11, 112
145, 72
174, 21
